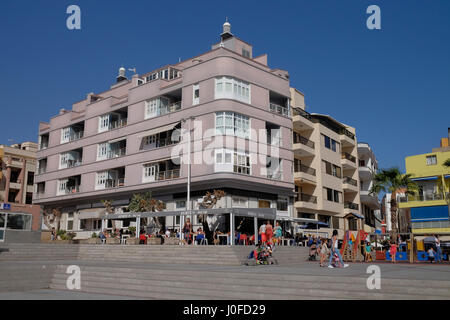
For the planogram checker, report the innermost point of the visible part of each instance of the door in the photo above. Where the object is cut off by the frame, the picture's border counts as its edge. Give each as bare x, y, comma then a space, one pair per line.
2, 226
151, 172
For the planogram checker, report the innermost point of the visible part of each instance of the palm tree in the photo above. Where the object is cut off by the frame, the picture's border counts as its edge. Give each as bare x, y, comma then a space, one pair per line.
144, 202
447, 163
393, 181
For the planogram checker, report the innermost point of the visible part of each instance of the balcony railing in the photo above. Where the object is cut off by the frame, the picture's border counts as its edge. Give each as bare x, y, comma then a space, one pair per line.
300, 139
351, 205
348, 156
275, 108
76, 135
43, 145
351, 181
306, 198
422, 197
301, 112
168, 175
42, 170
304, 169
114, 183
347, 133
73, 163
71, 190
117, 124
116, 153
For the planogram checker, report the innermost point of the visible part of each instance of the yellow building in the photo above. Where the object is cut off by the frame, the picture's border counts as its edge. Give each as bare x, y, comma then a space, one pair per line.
429, 207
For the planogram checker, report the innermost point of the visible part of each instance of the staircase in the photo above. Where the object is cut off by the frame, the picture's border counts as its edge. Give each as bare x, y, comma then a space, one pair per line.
263, 282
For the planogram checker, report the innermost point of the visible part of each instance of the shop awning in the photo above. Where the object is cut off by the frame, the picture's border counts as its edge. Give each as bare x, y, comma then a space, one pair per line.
157, 130
356, 215
424, 179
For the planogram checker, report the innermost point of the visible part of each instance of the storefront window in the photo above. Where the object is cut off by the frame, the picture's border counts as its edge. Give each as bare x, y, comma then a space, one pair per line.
18, 221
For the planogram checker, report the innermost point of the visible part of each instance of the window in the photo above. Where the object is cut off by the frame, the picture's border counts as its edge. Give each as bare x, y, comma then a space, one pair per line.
102, 151
100, 182
230, 88
263, 204
69, 226
103, 123
333, 195
150, 172
241, 163
330, 143
332, 169
180, 204
282, 204
238, 202
82, 224
96, 224
65, 135
17, 221
431, 160
196, 94
63, 160
149, 140
335, 221
230, 123
160, 106
246, 53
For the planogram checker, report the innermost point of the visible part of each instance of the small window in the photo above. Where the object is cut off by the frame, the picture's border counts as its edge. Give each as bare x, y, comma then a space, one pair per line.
246, 53
327, 142
431, 160
196, 93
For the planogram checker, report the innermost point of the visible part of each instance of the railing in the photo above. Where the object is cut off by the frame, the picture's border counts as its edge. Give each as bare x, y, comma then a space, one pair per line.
117, 124
351, 181
73, 163
168, 175
116, 153
72, 189
307, 198
170, 108
348, 156
42, 170
111, 183
304, 169
351, 205
301, 112
299, 139
423, 197
347, 133
43, 145
76, 135
275, 108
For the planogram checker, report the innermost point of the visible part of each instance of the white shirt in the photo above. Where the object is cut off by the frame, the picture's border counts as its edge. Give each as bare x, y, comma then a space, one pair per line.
262, 229
438, 243
168, 234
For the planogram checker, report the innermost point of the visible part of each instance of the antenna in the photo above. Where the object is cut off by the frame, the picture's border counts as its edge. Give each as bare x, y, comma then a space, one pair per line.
134, 70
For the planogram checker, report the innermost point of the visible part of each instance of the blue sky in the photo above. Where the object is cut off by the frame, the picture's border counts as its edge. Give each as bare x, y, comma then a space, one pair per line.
392, 84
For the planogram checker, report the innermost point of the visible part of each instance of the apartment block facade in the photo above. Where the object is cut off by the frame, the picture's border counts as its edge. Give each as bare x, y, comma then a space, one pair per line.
325, 170
429, 208
370, 204
132, 138
19, 218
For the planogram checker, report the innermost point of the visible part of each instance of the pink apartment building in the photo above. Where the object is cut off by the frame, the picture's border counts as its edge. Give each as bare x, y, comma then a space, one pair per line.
132, 139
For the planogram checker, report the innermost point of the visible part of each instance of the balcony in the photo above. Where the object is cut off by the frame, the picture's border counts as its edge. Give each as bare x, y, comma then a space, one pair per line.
278, 109
306, 201
70, 190
365, 173
370, 200
302, 120
168, 175
423, 197
303, 146
274, 174
116, 124
351, 206
116, 153
114, 183
348, 161
347, 138
304, 174
349, 184
76, 136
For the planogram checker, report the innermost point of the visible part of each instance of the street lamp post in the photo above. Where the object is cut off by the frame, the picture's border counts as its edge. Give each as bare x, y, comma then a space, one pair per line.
188, 207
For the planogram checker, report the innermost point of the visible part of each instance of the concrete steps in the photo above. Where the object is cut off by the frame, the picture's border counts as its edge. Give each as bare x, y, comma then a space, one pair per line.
24, 278
181, 284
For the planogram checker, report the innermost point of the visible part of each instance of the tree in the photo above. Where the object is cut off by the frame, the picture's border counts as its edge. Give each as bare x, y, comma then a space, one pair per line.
209, 202
143, 202
447, 163
110, 210
394, 182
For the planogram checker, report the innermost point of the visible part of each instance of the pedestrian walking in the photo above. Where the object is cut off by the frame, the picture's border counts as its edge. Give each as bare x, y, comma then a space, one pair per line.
324, 252
393, 251
335, 250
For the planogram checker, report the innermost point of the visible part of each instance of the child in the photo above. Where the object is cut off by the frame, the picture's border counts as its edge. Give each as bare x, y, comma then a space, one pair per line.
368, 250
431, 255
324, 251
393, 251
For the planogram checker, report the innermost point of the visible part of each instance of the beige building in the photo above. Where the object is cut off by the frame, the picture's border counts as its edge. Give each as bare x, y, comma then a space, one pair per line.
17, 213
325, 170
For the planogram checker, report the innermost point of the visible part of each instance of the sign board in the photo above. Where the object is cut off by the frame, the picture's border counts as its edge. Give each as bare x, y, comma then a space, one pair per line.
5, 206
